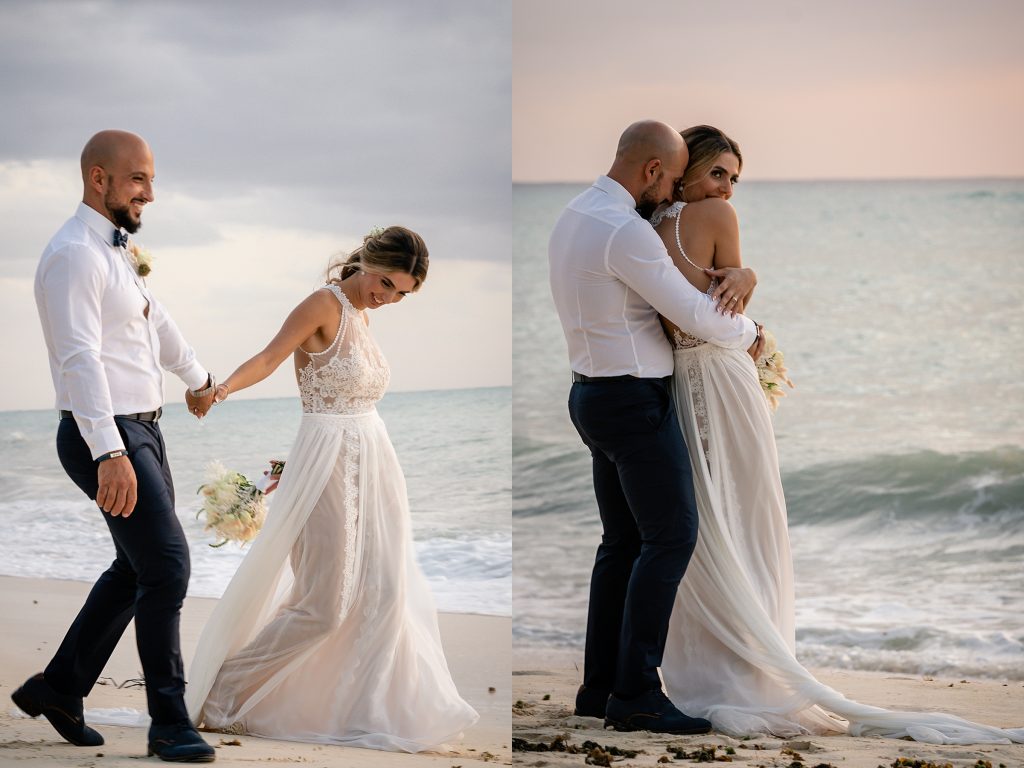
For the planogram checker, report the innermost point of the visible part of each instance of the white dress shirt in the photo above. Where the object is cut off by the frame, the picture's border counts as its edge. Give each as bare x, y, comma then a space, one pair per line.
611, 277
106, 355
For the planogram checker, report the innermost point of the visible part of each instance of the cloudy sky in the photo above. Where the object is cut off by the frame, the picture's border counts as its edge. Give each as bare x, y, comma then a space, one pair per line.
867, 89
281, 133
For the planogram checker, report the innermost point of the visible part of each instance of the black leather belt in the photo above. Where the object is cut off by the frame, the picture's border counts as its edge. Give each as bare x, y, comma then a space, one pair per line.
579, 378
147, 416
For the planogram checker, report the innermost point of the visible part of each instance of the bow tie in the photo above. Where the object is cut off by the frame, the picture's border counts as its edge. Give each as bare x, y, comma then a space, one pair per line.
120, 239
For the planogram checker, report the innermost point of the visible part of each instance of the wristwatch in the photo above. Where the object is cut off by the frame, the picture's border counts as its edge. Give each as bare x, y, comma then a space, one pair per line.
206, 391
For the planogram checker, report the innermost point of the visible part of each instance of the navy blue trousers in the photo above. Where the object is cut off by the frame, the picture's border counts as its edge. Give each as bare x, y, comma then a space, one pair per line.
146, 581
644, 488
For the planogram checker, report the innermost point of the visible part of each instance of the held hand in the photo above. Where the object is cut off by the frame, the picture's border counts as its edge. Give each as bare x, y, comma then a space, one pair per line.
735, 284
221, 394
118, 488
198, 406
757, 348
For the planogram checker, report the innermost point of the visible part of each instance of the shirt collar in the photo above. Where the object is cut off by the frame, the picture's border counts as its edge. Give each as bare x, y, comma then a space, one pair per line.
612, 187
97, 222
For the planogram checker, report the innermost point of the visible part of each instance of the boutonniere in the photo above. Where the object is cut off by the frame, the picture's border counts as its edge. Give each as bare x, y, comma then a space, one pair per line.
142, 259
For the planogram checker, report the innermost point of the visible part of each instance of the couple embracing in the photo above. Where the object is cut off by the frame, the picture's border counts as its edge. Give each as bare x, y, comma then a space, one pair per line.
692, 587
327, 633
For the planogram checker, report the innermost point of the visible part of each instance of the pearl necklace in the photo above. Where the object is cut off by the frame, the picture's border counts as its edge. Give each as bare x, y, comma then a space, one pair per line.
679, 244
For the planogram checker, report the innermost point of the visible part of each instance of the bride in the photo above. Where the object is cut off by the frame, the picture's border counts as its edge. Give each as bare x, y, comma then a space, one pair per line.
328, 632
731, 644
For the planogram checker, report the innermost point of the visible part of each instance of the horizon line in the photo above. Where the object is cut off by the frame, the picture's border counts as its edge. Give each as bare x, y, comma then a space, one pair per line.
168, 403
803, 179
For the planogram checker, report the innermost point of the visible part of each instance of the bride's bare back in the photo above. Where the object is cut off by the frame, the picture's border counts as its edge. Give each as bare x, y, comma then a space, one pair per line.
708, 232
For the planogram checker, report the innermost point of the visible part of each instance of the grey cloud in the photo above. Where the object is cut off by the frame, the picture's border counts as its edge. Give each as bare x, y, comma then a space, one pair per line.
327, 113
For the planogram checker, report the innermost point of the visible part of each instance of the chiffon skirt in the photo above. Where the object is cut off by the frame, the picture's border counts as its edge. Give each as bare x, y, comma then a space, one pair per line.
730, 650
328, 632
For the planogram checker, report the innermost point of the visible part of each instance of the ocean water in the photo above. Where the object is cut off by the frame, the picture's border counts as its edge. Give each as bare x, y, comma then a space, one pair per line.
899, 307
453, 446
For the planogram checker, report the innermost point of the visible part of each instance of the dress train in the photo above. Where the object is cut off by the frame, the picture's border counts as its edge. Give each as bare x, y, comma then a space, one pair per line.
730, 651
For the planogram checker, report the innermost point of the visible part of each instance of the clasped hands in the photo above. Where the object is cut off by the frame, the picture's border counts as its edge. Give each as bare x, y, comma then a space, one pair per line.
200, 406
200, 401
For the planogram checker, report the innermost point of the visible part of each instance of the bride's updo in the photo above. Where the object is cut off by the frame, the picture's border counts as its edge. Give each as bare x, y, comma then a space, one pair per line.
705, 143
394, 249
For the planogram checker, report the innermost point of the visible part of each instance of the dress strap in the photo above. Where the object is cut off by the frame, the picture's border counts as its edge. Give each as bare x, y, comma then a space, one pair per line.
339, 295
671, 212
346, 306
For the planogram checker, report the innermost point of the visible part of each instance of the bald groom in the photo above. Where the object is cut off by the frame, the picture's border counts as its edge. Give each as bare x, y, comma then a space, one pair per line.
109, 341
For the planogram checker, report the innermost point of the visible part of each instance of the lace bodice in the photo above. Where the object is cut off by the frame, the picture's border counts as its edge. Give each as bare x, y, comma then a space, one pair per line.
348, 377
683, 340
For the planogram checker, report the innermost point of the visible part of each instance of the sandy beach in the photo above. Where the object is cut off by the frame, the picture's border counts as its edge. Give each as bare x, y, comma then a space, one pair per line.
34, 613
544, 687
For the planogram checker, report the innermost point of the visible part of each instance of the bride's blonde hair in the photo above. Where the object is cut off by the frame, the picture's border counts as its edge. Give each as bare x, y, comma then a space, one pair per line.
705, 143
394, 249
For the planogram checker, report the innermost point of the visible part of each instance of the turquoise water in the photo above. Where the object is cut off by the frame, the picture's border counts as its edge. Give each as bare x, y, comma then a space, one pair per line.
898, 305
453, 446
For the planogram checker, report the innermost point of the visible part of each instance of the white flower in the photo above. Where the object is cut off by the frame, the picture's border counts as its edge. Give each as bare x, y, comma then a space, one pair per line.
377, 231
141, 258
771, 371
234, 507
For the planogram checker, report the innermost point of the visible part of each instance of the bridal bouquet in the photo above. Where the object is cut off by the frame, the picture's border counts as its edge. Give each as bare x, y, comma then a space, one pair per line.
771, 371
235, 507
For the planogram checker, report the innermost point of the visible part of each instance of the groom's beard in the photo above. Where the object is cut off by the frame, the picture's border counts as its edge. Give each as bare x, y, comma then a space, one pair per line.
648, 202
646, 210
122, 217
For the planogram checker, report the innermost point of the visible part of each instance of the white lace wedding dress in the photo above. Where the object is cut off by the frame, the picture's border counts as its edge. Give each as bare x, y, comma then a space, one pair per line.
730, 650
328, 632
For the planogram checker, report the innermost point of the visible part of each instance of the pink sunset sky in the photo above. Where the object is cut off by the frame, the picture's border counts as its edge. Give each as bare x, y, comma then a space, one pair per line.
841, 90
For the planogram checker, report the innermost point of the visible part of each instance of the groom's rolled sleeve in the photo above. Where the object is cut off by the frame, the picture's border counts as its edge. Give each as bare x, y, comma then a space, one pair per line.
638, 258
73, 284
176, 356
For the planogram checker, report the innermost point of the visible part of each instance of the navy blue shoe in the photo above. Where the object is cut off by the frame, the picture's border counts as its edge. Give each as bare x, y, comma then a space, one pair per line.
652, 711
590, 702
179, 743
64, 711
